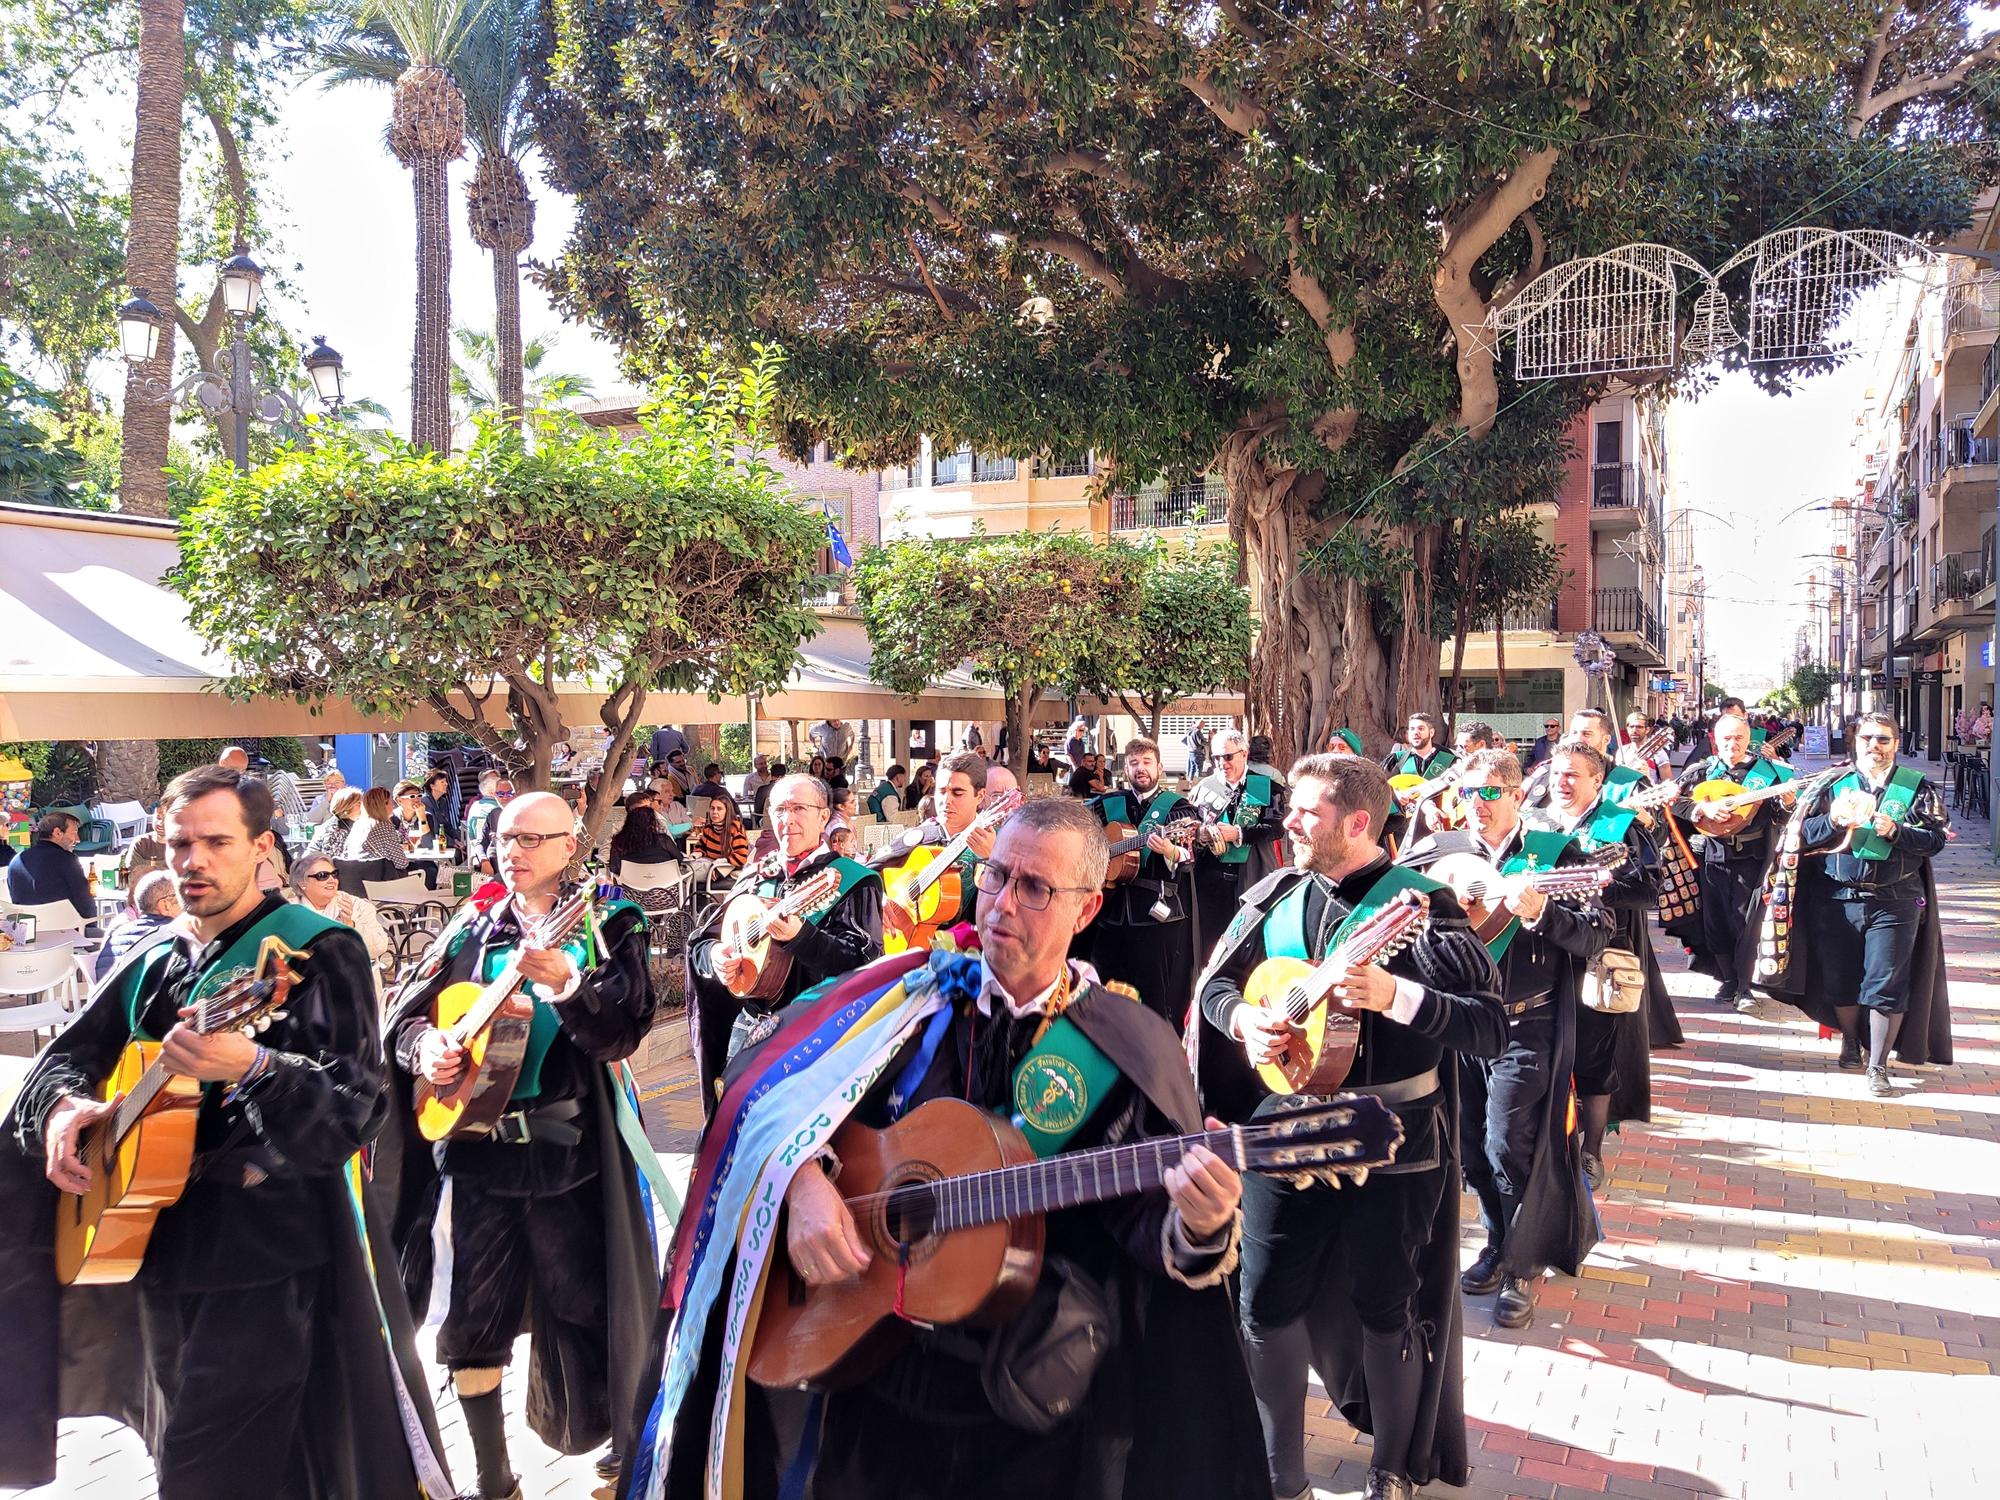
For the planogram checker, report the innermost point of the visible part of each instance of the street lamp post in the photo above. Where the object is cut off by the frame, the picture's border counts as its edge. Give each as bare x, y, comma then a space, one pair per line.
139, 325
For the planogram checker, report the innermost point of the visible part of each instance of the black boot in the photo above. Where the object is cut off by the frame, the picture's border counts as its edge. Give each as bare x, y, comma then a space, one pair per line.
1515, 1306
1483, 1275
1850, 1054
488, 1426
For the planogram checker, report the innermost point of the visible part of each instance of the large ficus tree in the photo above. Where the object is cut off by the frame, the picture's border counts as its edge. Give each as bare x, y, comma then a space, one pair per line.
1259, 237
486, 580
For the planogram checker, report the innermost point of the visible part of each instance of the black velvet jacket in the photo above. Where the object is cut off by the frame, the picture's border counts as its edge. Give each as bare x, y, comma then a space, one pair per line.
1900, 876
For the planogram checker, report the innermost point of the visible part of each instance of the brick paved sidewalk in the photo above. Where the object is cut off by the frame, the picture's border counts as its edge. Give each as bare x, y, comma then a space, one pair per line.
1790, 1269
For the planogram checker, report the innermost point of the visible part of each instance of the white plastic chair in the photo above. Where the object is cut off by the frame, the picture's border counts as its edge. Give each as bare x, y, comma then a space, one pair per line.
127, 819
45, 976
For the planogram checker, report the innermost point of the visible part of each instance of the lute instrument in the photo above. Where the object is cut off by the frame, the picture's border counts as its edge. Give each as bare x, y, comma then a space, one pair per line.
1128, 846
927, 882
1723, 809
1320, 1048
140, 1154
1487, 893
745, 934
950, 1199
491, 1022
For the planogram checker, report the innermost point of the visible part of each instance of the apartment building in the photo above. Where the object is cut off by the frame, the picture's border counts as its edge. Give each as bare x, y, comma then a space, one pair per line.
1922, 526
943, 493
1608, 522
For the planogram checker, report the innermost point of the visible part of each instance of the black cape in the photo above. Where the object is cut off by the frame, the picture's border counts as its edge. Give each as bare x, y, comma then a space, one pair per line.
77, 1351
567, 1406
1187, 1358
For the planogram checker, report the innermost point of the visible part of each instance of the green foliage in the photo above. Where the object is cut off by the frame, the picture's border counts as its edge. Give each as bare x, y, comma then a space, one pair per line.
37, 464
62, 258
1193, 634
1024, 610
475, 383
283, 752
735, 752
1811, 685
34, 754
497, 573
67, 776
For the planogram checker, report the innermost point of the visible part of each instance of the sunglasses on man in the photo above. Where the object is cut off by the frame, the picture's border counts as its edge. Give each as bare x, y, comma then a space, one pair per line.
1482, 793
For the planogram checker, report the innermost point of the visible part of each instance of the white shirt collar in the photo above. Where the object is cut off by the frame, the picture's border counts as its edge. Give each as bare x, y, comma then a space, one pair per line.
1497, 852
1080, 974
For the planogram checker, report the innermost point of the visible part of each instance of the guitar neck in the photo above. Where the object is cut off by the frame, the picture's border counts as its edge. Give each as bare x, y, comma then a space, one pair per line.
947, 856
487, 1006
1067, 1181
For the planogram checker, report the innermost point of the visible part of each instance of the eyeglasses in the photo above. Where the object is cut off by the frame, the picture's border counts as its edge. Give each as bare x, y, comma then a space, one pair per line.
1552, 724
1483, 793
531, 840
799, 807
1876, 739
1031, 891
324, 875
1233, 755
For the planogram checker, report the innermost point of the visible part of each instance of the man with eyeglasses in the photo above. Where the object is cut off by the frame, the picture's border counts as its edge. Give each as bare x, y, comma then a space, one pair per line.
841, 937
482, 819
1545, 744
1521, 1160
1385, 1326
1613, 1069
1732, 864
551, 1209
1245, 817
1101, 1404
1874, 965
1639, 729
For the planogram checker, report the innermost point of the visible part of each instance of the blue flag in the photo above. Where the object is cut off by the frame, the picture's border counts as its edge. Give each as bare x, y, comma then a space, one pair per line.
839, 544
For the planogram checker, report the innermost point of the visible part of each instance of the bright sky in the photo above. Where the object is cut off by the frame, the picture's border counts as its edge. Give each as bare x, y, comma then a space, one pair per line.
1749, 461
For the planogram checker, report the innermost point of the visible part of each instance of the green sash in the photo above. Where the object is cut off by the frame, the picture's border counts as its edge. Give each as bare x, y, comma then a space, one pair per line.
1762, 773
1541, 849
852, 873
1606, 826
1410, 763
294, 924
1757, 736
1256, 797
1117, 808
1894, 801
1059, 1085
1621, 782
1285, 934
544, 1024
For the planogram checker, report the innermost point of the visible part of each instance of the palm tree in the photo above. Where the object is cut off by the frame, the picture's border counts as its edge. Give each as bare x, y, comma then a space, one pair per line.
152, 246
413, 44
478, 376
498, 207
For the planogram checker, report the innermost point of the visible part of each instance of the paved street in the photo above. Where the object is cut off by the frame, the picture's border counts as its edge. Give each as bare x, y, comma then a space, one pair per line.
1790, 1270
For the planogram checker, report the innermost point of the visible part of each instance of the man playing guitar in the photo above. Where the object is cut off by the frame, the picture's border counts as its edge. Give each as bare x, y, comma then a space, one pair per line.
839, 938
548, 1208
1144, 935
963, 781
1733, 859
268, 1383
1399, 1229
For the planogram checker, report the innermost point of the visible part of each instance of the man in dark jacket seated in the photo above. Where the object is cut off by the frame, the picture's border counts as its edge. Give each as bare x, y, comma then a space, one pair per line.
48, 870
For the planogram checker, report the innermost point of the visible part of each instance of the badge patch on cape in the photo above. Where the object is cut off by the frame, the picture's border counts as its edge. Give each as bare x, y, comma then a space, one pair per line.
1050, 1093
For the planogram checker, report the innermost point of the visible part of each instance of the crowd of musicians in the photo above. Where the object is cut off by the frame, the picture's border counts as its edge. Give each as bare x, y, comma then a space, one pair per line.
225, 1234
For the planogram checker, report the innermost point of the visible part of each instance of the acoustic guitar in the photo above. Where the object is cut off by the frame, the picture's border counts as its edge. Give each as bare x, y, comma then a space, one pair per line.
1487, 893
1411, 789
491, 1022
950, 1201
1320, 1048
140, 1154
746, 933
1128, 846
927, 882
1776, 742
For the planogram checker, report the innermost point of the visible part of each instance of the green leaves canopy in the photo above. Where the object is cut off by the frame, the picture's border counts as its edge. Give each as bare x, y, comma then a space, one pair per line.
400, 577
1193, 633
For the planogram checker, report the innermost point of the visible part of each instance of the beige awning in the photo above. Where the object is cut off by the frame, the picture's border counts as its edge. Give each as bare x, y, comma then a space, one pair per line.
94, 646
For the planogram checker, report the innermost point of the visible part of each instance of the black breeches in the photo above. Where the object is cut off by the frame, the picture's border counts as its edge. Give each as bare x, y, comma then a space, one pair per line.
1866, 950
1156, 959
232, 1367
504, 1246
1502, 1105
1597, 1038
1291, 1237
1728, 887
1216, 897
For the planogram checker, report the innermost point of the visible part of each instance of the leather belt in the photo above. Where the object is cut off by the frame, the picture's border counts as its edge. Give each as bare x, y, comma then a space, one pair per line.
549, 1123
1522, 1007
1399, 1090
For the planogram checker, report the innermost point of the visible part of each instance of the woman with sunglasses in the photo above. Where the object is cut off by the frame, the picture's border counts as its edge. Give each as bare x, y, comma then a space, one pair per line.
316, 884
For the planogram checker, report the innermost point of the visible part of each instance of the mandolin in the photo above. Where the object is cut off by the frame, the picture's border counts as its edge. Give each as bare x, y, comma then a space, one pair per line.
140, 1154
1128, 846
491, 1022
928, 882
746, 932
1316, 1058
1487, 893
950, 1201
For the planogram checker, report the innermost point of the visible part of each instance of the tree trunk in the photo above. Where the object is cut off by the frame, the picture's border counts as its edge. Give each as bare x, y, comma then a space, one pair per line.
430, 365
507, 374
1318, 664
1464, 614
1415, 661
1020, 719
152, 248
128, 770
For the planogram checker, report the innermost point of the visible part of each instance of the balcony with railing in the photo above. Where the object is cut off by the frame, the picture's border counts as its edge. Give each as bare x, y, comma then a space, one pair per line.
1627, 614
830, 593
1529, 617
1067, 466
1971, 321
1159, 507
1957, 450
903, 476
1622, 495
972, 468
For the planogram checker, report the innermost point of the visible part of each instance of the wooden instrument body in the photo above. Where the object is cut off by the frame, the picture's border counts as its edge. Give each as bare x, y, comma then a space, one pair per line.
473, 1102
837, 1335
101, 1236
913, 899
1734, 808
1320, 1051
1487, 894
1125, 863
765, 964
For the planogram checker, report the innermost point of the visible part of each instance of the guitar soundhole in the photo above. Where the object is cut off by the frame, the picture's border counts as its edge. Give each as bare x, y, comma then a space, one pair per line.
910, 1215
